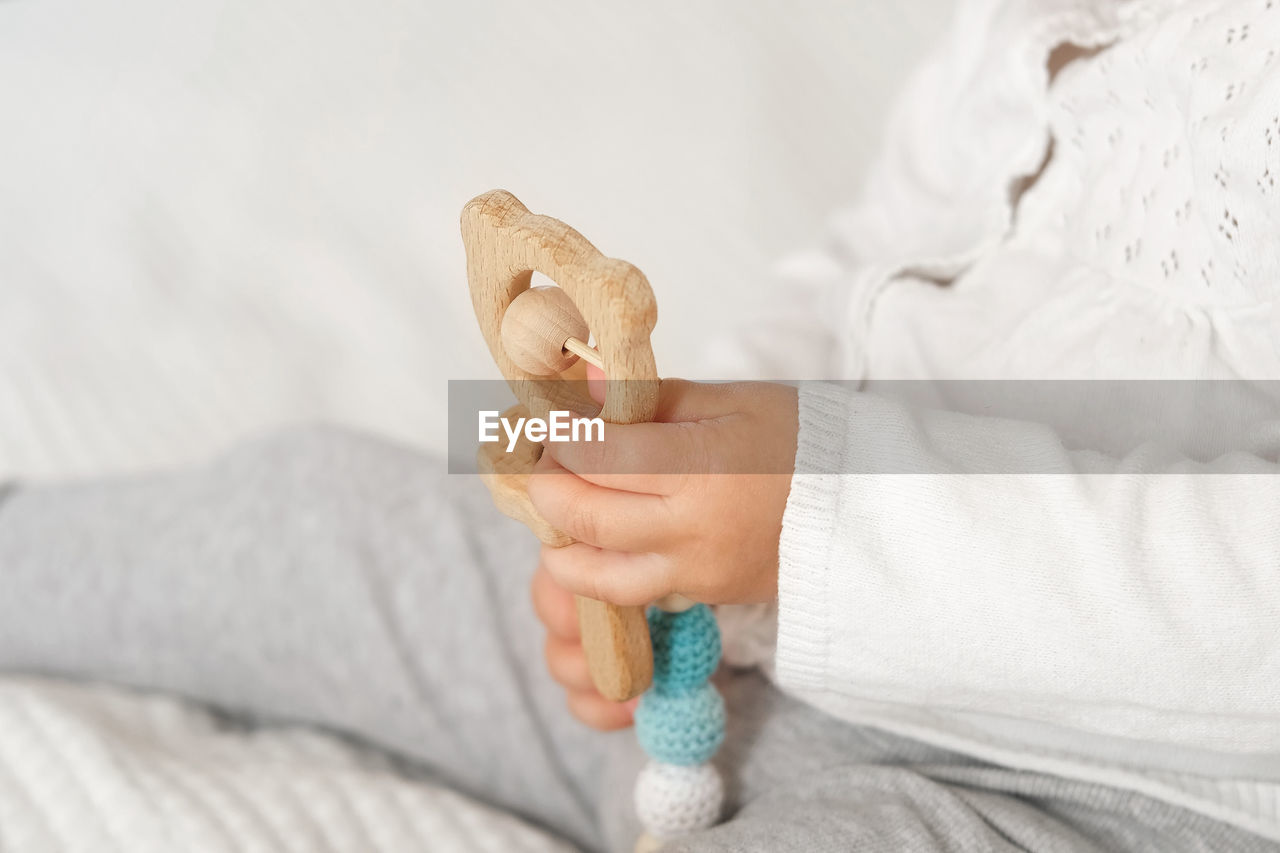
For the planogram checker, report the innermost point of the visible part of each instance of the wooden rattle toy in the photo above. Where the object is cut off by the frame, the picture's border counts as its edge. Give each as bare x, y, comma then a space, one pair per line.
537, 337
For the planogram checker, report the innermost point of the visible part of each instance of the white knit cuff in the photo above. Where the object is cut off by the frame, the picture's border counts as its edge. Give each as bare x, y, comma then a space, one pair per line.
844, 436
807, 527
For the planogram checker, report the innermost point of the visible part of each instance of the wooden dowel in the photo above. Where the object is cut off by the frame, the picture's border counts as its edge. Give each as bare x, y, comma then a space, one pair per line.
586, 353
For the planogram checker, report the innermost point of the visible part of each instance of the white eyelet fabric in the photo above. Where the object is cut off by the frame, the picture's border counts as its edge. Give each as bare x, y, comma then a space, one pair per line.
1117, 221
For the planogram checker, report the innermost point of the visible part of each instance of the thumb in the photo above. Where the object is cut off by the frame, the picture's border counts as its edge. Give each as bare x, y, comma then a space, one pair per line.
595, 383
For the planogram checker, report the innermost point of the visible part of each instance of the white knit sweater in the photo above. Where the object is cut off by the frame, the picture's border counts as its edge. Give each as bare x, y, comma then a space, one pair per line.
1115, 616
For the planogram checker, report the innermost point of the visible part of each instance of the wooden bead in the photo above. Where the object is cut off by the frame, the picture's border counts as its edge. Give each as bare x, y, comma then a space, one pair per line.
535, 327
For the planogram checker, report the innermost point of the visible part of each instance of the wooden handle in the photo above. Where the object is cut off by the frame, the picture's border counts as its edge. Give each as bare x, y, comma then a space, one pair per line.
505, 244
615, 639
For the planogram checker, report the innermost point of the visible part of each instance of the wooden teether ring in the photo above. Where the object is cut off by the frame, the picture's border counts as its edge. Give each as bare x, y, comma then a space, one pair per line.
505, 245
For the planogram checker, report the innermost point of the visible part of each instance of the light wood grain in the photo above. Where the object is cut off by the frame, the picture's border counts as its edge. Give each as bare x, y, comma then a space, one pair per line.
507, 476
536, 327
584, 352
505, 244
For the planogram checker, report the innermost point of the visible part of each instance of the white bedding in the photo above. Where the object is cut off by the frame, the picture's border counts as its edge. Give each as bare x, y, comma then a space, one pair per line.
95, 769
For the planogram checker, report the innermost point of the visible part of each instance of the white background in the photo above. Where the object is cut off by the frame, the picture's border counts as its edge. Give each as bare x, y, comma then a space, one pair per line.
218, 217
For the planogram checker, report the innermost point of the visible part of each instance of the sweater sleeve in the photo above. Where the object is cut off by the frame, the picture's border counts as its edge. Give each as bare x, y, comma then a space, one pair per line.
1122, 596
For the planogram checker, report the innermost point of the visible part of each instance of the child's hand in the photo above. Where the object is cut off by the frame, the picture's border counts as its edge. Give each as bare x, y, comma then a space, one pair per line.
566, 660
691, 503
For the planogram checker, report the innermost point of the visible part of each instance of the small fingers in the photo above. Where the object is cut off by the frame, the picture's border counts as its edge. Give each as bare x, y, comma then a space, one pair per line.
599, 713
648, 458
655, 457
613, 576
567, 663
554, 605
607, 518
682, 400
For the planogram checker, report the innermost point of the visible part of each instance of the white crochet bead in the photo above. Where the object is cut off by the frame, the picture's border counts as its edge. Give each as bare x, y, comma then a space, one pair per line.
672, 801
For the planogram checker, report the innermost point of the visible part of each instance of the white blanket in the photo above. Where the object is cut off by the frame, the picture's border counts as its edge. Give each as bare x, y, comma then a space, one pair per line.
98, 769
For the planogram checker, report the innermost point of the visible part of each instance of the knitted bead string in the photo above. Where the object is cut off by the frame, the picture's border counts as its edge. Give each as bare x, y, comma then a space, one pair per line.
680, 723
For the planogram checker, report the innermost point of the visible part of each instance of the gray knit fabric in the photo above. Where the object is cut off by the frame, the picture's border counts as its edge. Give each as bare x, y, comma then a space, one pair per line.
329, 578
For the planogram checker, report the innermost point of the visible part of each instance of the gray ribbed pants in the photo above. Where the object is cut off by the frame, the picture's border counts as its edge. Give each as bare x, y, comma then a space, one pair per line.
324, 577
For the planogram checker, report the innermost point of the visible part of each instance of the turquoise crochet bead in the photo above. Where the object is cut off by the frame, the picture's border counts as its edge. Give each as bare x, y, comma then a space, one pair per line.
681, 728
686, 647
